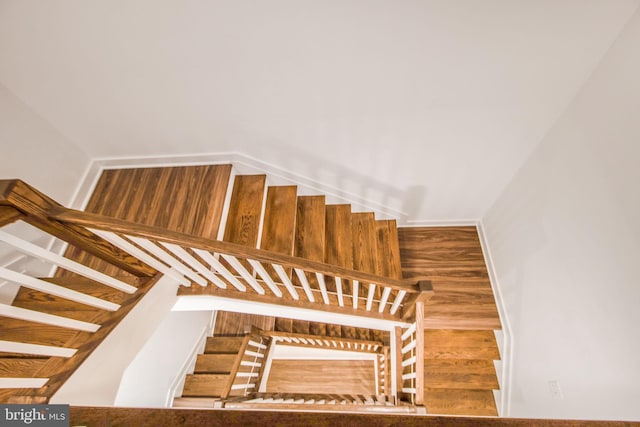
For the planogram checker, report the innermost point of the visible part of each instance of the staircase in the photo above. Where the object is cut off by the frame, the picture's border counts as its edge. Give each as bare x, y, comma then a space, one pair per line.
276, 247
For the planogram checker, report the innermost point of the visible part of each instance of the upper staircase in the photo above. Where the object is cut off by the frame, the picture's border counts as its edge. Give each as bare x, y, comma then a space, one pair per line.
269, 245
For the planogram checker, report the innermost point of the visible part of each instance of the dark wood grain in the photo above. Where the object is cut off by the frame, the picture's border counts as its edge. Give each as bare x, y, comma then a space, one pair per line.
237, 324
103, 417
20, 367
36, 208
8, 215
458, 344
245, 210
451, 258
318, 376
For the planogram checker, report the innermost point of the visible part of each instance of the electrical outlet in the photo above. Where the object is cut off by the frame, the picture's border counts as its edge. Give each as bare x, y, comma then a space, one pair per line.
556, 391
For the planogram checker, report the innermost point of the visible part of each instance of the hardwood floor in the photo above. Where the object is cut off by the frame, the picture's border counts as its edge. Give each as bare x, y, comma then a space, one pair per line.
321, 376
451, 257
186, 199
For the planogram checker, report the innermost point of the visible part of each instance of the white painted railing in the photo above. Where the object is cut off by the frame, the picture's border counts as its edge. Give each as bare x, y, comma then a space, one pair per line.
409, 361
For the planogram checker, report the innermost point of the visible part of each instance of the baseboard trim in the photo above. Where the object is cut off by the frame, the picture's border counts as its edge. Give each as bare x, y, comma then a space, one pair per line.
245, 164
506, 346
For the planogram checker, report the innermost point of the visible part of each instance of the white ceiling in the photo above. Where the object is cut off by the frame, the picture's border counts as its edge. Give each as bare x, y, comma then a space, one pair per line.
427, 106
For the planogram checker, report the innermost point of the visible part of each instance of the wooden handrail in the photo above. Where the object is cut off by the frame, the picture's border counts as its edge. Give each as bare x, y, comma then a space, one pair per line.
35, 208
380, 344
90, 220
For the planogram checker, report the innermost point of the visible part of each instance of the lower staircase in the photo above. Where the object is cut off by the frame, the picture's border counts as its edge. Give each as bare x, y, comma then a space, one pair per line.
459, 372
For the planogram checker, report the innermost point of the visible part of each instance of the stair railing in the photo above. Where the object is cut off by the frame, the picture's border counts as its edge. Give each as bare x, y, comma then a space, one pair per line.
246, 371
21, 203
410, 349
230, 270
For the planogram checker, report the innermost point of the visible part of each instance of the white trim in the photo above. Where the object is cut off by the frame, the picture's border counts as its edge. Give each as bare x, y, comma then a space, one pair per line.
47, 319
35, 349
59, 291
22, 382
440, 223
504, 406
211, 302
187, 367
68, 264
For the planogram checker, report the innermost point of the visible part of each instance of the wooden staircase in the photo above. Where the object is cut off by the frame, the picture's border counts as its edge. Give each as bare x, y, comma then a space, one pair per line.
274, 219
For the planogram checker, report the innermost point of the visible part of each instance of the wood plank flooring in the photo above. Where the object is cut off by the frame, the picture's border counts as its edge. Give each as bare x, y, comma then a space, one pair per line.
451, 257
186, 199
321, 376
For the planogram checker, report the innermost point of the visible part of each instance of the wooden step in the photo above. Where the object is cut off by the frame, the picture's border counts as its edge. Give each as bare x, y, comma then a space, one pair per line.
34, 333
245, 210
301, 327
46, 303
220, 363
230, 324
460, 374
310, 228
204, 385
319, 329
388, 249
20, 367
187, 199
279, 223
223, 345
339, 247
284, 325
460, 402
365, 254
460, 344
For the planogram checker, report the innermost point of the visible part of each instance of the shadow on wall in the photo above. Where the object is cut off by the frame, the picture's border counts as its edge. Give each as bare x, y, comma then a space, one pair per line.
317, 175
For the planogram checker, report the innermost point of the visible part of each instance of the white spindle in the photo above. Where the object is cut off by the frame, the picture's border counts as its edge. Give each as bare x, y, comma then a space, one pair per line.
22, 382
339, 291
397, 302
372, 289
305, 284
409, 361
409, 347
165, 257
266, 277
383, 300
356, 290
132, 249
323, 288
47, 319
59, 291
286, 281
35, 349
181, 253
237, 265
217, 265
73, 266
410, 330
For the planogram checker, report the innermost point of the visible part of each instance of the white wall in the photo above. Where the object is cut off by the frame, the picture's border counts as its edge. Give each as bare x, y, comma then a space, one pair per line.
565, 240
34, 151
97, 380
150, 376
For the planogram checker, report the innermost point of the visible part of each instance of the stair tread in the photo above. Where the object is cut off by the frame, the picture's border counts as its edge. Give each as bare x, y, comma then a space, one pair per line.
46, 303
310, 236
20, 367
279, 219
245, 210
338, 249
212, 363
460, 344
223, 345
204, 385
460, 373
388, 249
24, 331
460, 402
310, 228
